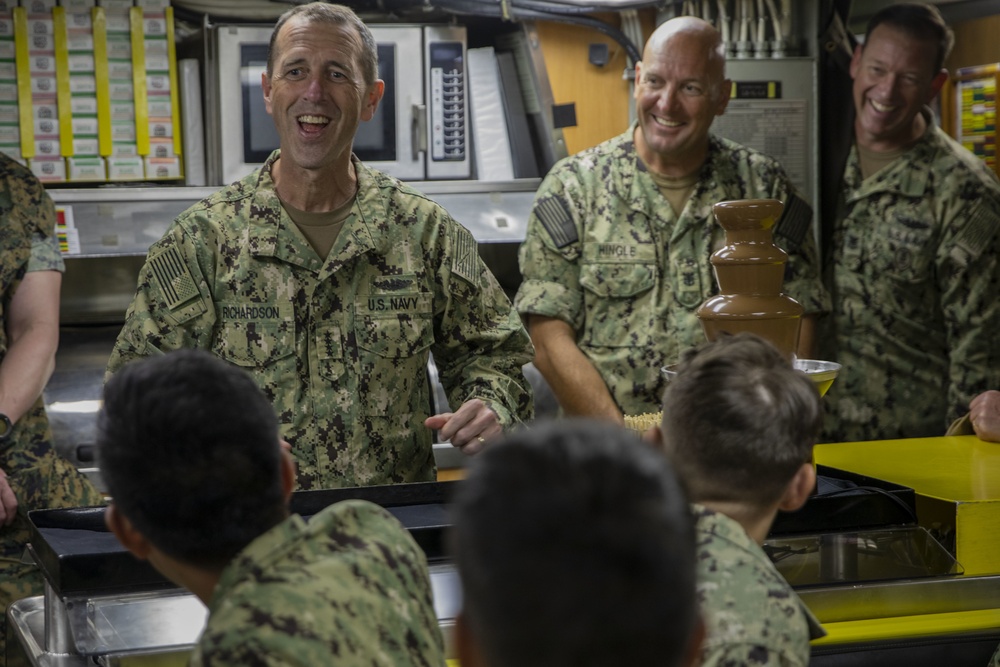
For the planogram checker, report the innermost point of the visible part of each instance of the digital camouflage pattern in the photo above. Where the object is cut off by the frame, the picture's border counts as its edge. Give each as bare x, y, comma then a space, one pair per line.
752, 616
605, 253
39, 477
340, 347
914, 271
349, 588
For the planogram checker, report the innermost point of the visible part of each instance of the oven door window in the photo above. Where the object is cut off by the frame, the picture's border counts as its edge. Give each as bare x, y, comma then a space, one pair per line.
259, 135
374, 141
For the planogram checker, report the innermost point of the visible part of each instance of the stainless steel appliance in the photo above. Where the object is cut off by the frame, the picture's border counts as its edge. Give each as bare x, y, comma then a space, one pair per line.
420, 130
102, 606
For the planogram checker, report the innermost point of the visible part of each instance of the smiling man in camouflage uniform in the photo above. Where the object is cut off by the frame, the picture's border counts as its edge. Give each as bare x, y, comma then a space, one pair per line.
32, 474
332, 283
739, 425
914, 261
189, 448
616, 260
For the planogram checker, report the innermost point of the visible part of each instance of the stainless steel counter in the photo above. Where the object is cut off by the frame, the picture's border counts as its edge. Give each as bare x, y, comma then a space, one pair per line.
148, 629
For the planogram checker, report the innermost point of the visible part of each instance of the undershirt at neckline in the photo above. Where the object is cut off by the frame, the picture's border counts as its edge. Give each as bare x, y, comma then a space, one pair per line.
320, 229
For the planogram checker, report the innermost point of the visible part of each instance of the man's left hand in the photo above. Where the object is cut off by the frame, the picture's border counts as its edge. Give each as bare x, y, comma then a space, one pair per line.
8, 501
469, 427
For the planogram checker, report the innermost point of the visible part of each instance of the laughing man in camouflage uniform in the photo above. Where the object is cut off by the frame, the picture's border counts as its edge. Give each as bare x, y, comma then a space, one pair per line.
331, 282
189, 448
616, 260
739, 425
32, 474
914, 262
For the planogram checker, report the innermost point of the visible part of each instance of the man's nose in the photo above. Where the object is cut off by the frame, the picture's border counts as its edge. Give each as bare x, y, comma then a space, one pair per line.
314, 88
888, 84
668, 98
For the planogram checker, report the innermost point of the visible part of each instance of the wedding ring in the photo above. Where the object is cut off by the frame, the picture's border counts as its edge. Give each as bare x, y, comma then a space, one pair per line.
481, 439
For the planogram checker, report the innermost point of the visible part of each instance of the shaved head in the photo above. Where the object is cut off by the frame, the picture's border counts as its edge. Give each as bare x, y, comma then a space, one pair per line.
693, 36
680, 88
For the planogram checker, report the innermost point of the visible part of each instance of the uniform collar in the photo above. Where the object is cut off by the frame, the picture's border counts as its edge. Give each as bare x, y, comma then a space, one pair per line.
645, 197
260, 553
908, 175
272, 232
710, 522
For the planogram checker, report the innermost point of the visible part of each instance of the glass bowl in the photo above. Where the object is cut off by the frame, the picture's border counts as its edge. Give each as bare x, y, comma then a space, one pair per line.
822, 373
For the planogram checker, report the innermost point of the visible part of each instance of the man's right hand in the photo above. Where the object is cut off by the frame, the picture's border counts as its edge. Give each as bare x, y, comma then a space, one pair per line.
984, 413
8, 501
571, 375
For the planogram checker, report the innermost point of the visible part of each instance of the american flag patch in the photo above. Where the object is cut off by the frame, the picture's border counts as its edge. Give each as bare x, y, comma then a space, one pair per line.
554, 215
464, 261
980, 228
796, 221
174, 278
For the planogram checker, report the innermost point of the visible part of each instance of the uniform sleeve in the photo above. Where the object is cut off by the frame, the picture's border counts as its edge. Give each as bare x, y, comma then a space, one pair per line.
172, 308
549, 256
740, 654
45, 254
481, 344
968, 274
794, 234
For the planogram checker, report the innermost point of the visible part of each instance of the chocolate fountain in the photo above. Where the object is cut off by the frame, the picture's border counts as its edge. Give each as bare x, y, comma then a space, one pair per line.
750, 270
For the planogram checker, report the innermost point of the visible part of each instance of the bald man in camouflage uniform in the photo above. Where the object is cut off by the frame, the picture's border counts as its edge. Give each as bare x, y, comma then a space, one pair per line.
333, 283
914, 261
348, 587
32, 474
616, 259
739, 425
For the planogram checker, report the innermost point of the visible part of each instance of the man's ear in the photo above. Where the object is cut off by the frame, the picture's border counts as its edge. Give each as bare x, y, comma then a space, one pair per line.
799, 488
654, 436
126, 533
725, 94
936, 84
693, 655
287, 472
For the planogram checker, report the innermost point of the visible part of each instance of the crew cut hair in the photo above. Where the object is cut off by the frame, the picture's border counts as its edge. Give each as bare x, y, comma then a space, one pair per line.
188, 447
739, 421
574, 544
919, 21
322, 12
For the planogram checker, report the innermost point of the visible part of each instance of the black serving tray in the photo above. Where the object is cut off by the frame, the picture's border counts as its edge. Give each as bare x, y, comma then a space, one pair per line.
848, 501
78, 555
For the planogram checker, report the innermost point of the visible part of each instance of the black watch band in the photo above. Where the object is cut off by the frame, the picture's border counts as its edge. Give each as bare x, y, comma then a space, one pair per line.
7, 426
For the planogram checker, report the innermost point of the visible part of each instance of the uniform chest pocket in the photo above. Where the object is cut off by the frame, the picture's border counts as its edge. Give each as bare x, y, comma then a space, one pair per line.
394, 325
617, 309
903, 253
617, 280
253, 343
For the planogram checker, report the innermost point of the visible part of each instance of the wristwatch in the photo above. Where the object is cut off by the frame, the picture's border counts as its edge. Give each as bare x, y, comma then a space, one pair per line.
7, 426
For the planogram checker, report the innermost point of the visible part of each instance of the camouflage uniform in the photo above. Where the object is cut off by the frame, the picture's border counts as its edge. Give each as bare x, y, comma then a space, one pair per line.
349, 588
752, 616
39, 477
340, 347
606, 254
914, 270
